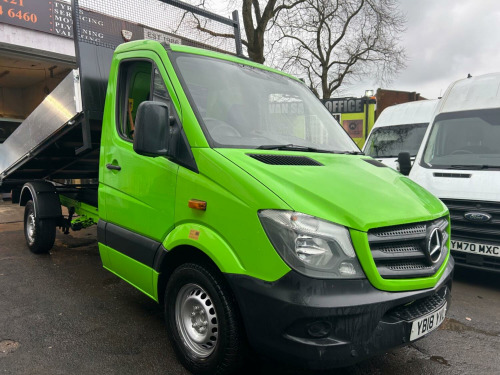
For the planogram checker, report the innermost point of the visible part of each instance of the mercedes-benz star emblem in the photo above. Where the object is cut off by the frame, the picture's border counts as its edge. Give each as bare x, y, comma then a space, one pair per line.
435, 245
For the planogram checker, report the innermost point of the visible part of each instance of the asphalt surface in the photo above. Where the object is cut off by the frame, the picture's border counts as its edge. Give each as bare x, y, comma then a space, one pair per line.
62, 313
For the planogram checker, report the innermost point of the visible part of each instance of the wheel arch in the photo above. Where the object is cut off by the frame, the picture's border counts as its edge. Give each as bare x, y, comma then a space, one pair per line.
45, 199
194, 243
170, 260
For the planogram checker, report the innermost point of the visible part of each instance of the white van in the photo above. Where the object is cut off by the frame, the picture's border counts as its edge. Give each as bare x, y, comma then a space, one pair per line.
399, 128
459, 162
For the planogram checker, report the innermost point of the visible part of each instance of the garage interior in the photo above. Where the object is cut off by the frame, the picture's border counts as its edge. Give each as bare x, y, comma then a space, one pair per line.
25, 80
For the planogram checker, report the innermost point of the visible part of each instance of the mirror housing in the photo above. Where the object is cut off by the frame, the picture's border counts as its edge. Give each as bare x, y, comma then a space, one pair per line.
152, 129
404, 163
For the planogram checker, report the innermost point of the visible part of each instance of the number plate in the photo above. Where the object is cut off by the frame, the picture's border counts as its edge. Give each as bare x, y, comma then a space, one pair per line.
428, 323
476, 248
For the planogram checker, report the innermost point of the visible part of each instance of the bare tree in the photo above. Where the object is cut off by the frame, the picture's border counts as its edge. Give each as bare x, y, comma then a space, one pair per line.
257, 17
333, 42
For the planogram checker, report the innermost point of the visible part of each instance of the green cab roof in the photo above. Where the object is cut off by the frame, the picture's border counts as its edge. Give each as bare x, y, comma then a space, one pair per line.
154, 45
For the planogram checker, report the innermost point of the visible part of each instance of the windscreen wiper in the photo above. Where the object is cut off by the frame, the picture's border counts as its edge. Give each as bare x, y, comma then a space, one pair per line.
350, 152
473, 167
292, 147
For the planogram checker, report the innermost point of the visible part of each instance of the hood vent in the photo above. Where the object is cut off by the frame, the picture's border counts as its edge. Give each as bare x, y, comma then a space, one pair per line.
375, 163
285, 160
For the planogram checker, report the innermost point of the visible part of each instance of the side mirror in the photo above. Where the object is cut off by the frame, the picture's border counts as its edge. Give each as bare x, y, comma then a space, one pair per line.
404, 163
152, 129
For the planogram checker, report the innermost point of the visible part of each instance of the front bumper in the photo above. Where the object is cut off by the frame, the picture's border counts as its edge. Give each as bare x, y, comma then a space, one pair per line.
322, 324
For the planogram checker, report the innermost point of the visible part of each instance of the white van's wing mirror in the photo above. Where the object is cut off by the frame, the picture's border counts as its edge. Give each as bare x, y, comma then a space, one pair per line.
404, 163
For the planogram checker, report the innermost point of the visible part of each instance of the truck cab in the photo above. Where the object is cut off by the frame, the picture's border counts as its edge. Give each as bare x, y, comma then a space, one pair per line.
460, 163
223, 180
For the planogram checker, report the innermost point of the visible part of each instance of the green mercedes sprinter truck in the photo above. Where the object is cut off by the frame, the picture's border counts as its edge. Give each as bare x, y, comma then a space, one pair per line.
225, 191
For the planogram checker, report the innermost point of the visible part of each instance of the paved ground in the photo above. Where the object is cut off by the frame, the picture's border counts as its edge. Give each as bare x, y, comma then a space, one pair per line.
64, 314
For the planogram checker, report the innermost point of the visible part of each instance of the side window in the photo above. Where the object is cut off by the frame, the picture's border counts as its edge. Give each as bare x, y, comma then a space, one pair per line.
160, 93
139, 81
135, 87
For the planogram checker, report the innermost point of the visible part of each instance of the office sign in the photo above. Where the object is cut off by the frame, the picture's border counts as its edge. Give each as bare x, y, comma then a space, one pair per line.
344, 105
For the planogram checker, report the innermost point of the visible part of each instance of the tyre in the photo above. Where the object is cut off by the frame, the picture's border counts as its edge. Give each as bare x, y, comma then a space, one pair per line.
40, 234
203, 321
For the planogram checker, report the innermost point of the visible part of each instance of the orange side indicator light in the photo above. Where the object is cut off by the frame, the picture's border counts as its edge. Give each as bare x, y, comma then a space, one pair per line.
197, 204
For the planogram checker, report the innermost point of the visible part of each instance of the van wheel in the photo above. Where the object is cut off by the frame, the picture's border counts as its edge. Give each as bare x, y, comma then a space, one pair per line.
203, 322
40, 234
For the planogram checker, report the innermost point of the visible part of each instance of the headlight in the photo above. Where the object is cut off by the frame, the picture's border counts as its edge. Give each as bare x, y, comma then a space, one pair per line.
312, 246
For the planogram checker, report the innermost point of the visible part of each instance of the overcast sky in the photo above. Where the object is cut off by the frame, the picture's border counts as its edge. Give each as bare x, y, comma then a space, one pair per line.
445, 40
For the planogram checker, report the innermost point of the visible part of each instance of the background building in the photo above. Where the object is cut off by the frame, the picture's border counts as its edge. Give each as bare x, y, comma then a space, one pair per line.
386, 98
358, 115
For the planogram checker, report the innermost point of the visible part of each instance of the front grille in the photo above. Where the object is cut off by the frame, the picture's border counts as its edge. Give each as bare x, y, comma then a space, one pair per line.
402, 251
422, 307
483, 232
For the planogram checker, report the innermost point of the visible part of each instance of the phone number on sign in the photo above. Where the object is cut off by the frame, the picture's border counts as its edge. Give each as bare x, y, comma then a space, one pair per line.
14, 13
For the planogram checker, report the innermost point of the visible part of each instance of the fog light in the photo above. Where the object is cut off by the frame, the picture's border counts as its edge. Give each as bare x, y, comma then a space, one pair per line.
347, 268
319, 329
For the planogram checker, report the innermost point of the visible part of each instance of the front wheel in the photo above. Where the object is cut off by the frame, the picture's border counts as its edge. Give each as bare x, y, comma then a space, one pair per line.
40, 234
203, 321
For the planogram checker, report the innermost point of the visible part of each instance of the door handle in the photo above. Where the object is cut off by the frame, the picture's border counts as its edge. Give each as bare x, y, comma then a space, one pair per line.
113, 167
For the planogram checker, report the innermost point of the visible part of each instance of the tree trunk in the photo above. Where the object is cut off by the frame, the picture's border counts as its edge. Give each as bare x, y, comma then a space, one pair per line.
256, 49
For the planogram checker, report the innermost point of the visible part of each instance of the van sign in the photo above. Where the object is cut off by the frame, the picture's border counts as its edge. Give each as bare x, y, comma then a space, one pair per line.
477, 216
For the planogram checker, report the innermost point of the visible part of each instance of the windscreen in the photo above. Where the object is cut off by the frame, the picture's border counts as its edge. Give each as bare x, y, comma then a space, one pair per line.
240, 106
465, 140
389, 141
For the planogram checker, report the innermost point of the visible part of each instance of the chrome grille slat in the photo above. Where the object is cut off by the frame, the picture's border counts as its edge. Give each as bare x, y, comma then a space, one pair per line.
400, 231
408, 266
401, 251
407, 248
381, 255
376, 239
398, 251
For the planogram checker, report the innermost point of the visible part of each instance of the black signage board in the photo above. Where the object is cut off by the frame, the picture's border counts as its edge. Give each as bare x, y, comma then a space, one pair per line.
344, 105
49, 16
94, 27
62, 19
55, 17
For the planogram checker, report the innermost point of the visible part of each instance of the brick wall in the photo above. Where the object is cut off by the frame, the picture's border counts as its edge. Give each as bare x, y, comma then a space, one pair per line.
386, 98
